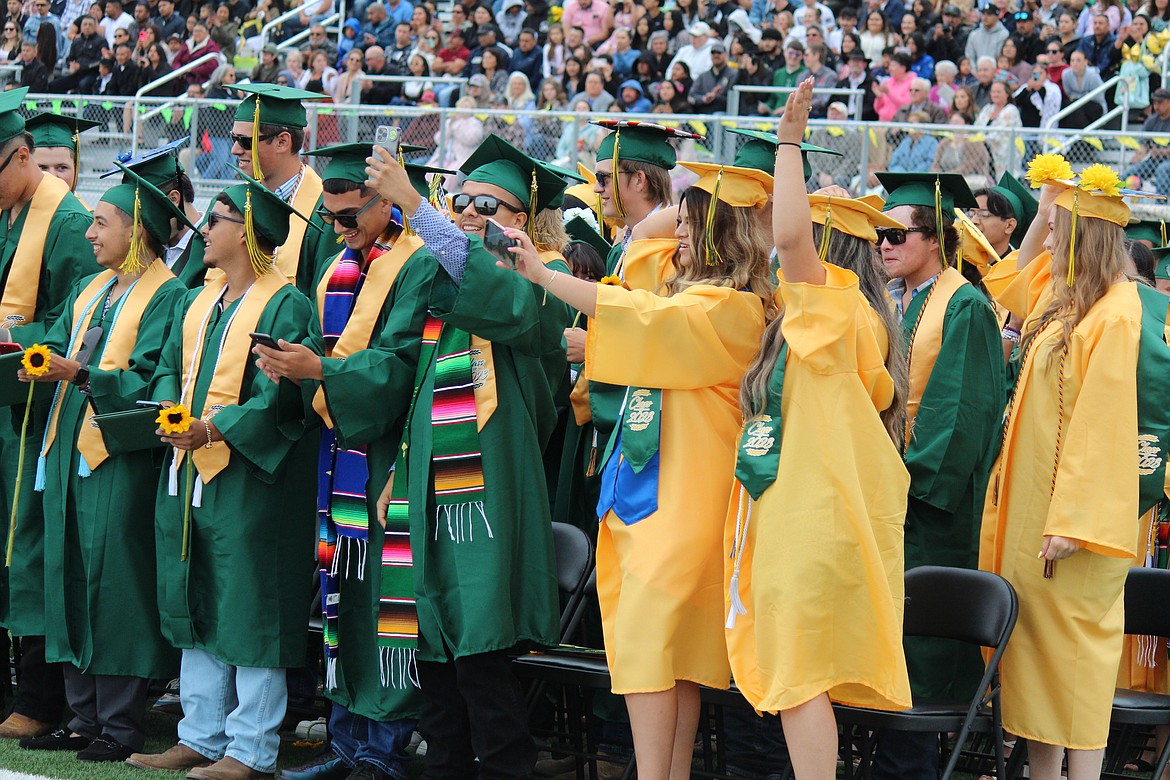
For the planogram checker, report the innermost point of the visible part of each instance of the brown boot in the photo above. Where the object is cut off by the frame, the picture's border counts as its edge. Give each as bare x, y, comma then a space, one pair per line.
227, 769
19, 726
177, 759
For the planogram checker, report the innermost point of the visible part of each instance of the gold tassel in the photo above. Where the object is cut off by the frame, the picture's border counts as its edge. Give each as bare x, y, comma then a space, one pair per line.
257, 174
77, 171
959, 251
1072, 239
938, 221
617, 196
261, 263
713, 257
533, 188
133, 263
405, 222
1163, 232
823, 249
433, 193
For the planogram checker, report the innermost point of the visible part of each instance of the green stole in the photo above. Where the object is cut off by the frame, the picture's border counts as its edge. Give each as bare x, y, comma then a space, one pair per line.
1153, 398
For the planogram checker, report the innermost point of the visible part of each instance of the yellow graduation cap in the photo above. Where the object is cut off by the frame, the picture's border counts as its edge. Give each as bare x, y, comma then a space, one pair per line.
974, 247
851, 216
738, 187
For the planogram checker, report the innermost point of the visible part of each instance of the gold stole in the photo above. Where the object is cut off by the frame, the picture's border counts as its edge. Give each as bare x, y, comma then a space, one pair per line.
371, 298
19, 303
928, 335
483, 377
304, 200
228, 379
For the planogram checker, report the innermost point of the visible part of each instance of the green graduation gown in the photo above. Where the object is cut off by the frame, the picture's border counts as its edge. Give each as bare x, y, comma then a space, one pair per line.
100, 586
189, 267
385, 371
67, 257
243, 593
485, 593
949, 457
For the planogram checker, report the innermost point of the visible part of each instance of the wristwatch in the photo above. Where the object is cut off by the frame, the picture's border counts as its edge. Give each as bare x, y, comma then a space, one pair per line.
81, 377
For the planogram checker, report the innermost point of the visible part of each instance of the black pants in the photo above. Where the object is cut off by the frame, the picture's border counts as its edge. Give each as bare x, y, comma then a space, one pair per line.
475, 709
906, 755
105, 704
40, 686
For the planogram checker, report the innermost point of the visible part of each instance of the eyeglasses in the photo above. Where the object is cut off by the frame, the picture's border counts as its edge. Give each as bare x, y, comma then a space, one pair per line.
979, 213
1054, 51
603, 178
348, 219
213, 219
793, 53
484, 204
245, 141
9, 29
897, 236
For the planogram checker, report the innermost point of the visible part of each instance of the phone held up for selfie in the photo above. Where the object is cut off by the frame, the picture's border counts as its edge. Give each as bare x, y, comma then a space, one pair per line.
496, 241
389, 137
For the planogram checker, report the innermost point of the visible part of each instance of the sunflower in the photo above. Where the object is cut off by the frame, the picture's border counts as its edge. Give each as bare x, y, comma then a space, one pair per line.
174, 419
36, 360
613, 279
1048, 167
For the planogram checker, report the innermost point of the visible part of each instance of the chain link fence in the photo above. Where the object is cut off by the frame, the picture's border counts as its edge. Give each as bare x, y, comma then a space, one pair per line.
448, 136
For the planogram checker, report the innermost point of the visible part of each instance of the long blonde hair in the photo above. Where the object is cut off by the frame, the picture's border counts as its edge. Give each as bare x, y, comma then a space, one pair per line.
856, 255
744, 244
1100, 261
548, 231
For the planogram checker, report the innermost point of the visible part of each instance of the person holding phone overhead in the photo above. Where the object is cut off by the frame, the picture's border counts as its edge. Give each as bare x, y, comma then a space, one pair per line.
679, 355
364, 342
43, 251
233, 585
101, 617
471, 486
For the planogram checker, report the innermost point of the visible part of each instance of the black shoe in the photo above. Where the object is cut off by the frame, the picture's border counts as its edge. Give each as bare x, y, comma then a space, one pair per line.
58, 739
105, 748
364, 771
326, 766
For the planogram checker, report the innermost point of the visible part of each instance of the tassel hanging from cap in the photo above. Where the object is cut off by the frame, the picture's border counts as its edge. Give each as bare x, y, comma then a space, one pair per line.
938, 221
77, 171
1163, 225
713, 256
261, 262
433, 196
405, 221
617, 195
823, 249
257, 174
1072, 238
134, 261
533, 188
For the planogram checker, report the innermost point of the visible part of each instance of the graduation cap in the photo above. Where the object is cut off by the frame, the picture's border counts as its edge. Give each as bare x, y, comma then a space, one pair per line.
1024, 204
1152, 230
638, 142
942, 192
149, 209
534, 184
158, 166
852, 216
422, 185
272, 104
265, 217
572, 179
737, 187
54, 130
974, 248
759, 151
1162, 263
580, 230
12, 122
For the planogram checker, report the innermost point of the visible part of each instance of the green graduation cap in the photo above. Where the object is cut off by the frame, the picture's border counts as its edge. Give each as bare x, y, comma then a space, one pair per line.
265, 216
1162, 263
1024, 204
942, 192
12, 122
274, 104
1152, 230
636, 141
572, 178
759, 151
348, 161
149, 209
418, 177
56, 130
580, 230
531, 182
158, 166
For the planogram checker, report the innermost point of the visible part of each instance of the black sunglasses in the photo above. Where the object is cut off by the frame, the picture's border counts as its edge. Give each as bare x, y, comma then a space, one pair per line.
603, 178
213, 220
484, 204
245, 141
347, 220
897, 236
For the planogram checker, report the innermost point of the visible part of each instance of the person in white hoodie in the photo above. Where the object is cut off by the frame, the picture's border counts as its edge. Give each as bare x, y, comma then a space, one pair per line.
697, 53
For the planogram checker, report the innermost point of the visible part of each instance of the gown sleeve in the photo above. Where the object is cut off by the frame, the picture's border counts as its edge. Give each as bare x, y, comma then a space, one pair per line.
1022, 292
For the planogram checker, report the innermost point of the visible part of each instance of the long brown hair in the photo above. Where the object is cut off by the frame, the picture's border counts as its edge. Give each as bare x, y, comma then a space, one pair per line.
744, 244
1100, 262
856, 255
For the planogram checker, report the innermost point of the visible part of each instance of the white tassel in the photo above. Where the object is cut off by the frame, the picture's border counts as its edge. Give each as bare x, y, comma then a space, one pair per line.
173, 479
331, 674
197, 493
737, 606
1148, 652
336, 558
398, 667
39, 484
362, 548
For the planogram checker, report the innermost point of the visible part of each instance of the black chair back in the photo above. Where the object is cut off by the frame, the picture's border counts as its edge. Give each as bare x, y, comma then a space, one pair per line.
972, 606
1147, 594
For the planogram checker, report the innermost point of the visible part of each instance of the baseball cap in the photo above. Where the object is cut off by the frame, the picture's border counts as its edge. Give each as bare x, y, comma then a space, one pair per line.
700, 28
1160, 94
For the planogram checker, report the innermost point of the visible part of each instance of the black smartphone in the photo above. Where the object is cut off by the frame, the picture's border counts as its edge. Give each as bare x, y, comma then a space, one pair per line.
144, 404
496, 241
265, 339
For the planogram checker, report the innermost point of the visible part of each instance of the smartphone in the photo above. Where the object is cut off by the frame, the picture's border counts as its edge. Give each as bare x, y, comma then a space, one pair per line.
144, 404
265, 340
497, 242
8, 347
389, 137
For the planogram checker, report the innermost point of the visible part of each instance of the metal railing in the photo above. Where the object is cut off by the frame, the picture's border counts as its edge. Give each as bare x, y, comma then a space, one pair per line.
1085, 99
140, 116
292, 41
733, 98
292, 13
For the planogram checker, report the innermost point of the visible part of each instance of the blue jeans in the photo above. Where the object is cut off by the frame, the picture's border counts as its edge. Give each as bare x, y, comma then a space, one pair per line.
231, 710
357, 739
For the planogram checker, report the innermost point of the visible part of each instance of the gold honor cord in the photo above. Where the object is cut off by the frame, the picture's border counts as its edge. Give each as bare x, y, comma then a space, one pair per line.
823, 249
713, 257
133, 263
257, 174
1072, 238
617, 195
261, 262
963, 232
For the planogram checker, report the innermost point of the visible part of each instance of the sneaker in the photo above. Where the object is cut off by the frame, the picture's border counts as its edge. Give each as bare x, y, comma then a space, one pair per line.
326, 766
58, 739
105, 748
364, 771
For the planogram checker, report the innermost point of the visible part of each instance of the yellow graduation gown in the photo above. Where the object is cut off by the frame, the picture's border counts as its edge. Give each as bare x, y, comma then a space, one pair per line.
1061, 665
824, 608
660, 580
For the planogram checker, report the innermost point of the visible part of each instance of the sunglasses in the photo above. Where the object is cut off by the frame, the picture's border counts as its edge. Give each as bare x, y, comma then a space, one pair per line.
348, 219
484, 204
245, 141
897, 236
603, 178
213, 219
